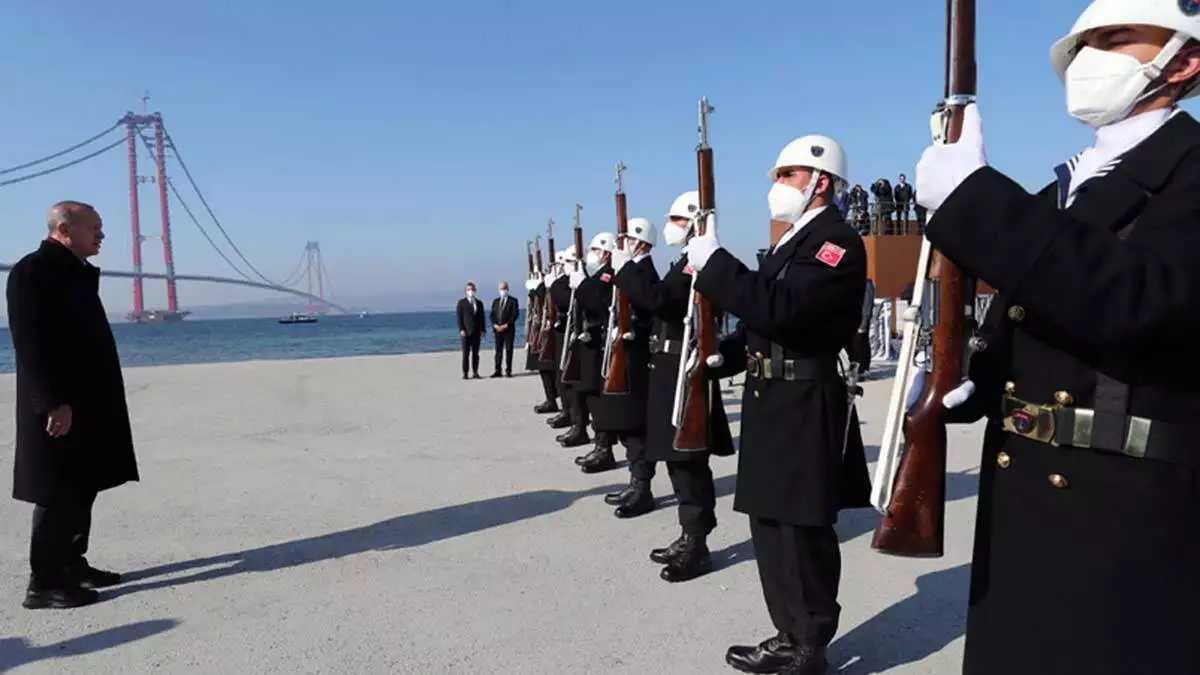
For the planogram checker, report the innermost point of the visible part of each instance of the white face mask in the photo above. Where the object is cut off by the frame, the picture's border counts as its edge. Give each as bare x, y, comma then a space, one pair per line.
673, 235
593, 262
1103, 87
471, 295
787, 203
503, 293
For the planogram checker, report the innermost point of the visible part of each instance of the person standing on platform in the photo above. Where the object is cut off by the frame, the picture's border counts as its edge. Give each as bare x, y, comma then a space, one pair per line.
505, 312
471, 329
594, 296
799, 466
688, 556
625, 413
73, 435
1085, 559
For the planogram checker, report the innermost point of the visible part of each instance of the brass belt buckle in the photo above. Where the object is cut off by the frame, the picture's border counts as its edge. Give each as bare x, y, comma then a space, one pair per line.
1030, 420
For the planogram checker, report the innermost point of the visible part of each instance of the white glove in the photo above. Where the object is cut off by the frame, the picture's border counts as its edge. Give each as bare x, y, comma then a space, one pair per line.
620, 258
944, 167
614, 334
629, 336
576, 278
715, 361
532, 284
958, 395
548, 279
584, 337
700, 249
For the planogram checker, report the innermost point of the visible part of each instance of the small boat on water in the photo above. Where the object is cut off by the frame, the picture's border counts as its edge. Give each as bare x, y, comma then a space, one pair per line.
297, 317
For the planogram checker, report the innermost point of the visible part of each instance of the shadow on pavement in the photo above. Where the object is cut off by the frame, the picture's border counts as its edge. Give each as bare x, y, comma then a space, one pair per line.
16, 652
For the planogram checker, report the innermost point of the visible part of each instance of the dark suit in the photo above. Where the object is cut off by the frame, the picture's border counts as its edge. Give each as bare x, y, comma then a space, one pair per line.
505, 312
795, 473
1096, 311
470, 321
65, 354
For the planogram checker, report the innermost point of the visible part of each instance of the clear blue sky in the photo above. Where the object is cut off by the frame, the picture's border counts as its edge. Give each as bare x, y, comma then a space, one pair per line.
421, 144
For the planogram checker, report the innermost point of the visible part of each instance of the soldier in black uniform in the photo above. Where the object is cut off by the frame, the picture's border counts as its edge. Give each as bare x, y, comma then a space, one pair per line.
1086, 558
688, 556
593, 294
796, 469
545, 367
572, 417
624, 413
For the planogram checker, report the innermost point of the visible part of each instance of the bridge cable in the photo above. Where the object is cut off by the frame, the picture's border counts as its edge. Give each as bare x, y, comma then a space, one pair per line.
297, 273
196, 188
60, 167
61, 152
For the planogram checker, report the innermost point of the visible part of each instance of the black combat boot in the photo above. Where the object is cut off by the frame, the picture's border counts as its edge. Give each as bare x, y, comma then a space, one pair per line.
693, 560
664, 556
91, 578
575, 437
547, 407
560, 421
808, 661
769, 656
599, 459
639, 502
60, 593
618, 498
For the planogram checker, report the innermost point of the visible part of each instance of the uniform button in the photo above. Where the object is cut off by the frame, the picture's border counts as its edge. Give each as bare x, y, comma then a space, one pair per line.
1016, 313
1003, 460
1010, 388
1058, 481
1063, 398
756, 394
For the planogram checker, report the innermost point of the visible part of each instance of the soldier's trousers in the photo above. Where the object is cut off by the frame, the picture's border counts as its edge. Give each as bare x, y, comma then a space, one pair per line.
696, 494
800, 569
635, 453
577, 405
549, 385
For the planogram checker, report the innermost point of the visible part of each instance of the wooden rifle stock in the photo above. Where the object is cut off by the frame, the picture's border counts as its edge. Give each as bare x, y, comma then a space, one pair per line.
545, 346
914, 524
571, 369
616, 380
533, 313
692, 431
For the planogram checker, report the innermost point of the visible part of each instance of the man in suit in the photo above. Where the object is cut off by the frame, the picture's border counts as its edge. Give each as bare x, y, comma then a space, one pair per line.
471, 329
1084, 557
505, 312
796, 468
73, 432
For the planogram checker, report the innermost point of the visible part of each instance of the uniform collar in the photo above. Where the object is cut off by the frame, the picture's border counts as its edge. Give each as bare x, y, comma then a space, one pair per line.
805, 219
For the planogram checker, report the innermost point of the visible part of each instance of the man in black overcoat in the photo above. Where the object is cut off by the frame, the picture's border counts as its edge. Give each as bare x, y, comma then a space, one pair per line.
667, 300
796, 469
505, 312
1085, 556
471, 328
73, 432
593, 294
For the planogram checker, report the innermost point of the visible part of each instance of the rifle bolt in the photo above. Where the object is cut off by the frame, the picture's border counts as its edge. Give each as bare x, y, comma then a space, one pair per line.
1003, 460
1058, 481
1063, 398
1016, 313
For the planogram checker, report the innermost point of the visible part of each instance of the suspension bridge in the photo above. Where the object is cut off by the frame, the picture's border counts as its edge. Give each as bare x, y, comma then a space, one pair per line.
308, 280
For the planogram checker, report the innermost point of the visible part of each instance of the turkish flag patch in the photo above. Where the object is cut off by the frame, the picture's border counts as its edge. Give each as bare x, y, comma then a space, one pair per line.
831, 254
689, 270
606, 277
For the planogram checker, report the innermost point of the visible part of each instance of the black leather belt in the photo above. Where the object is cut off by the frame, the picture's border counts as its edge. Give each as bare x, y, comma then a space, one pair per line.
1063, 426
788, 369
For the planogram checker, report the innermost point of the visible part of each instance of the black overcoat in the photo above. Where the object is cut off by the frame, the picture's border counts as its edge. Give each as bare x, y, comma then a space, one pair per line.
560, 295
668, 301
792, 467
66, 354
626, 412
594, 298
533, 359
1086, 561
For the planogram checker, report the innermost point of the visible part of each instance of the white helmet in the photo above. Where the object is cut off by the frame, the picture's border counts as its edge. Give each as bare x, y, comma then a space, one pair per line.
560, 257
603, 241
815, 152
642, 230
685, 205
568, 254
1180, 16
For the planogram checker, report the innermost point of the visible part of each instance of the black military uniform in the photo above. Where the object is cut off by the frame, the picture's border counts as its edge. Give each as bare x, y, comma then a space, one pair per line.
625, 413
594, 297
560, 295
1085, 559
546, 368
795, 472
688, 556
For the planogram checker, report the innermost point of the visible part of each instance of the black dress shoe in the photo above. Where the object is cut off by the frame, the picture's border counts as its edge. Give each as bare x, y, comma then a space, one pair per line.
599, 459
769, 656
639, 502
90, 577
495, 375
466, 377
808, 661
476, 376
64, 595
664, 556
693, 560
508, 374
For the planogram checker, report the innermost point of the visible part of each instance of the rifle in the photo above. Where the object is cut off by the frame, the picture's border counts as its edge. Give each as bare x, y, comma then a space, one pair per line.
910, 481
570, 356
545, 346
616, 360
531, 314
693, 401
